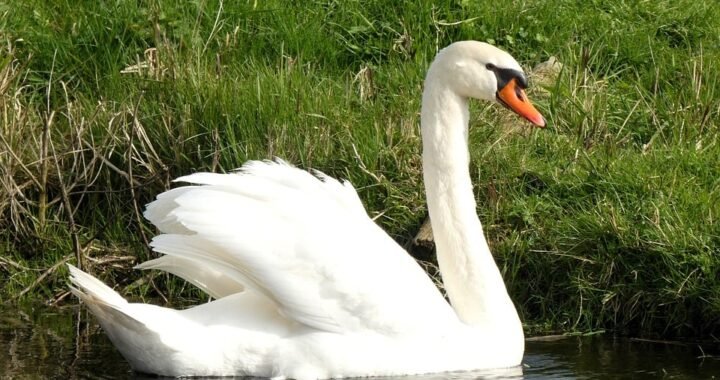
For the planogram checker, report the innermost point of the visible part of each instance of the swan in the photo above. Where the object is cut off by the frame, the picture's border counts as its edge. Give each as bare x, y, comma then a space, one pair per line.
306, 285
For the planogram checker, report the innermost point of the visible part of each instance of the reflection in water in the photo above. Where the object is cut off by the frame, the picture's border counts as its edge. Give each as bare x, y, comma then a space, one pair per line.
44, 342
613, 358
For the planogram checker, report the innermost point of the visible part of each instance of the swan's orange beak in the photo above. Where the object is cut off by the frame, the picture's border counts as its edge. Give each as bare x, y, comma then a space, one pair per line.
513, 97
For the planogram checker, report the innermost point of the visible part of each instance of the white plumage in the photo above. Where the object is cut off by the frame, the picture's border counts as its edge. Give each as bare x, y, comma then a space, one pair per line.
306, 284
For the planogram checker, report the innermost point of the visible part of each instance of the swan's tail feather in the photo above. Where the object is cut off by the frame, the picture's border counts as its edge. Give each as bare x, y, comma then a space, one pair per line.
106, 304
141, 345
91, 290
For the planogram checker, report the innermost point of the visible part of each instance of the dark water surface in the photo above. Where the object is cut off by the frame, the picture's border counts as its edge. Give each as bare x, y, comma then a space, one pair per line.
44, 342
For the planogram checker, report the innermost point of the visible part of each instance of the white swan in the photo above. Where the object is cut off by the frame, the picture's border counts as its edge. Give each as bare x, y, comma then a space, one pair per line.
307, 285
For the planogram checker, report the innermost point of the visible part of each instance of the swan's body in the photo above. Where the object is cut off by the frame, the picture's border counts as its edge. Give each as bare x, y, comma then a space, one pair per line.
307, 286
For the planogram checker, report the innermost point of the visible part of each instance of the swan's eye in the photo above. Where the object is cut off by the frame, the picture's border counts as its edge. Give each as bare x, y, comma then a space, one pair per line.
504, 76
491, 67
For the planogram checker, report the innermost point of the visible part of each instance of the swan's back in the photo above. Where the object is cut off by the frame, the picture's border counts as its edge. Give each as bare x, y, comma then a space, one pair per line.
302, 240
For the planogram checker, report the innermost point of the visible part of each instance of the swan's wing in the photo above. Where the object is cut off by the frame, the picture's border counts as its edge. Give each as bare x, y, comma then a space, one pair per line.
217, 280
305, 241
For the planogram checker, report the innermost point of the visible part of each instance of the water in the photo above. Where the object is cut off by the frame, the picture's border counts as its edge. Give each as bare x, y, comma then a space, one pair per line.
44, 342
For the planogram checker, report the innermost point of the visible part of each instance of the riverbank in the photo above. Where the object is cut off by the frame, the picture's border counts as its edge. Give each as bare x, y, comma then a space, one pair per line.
606, 220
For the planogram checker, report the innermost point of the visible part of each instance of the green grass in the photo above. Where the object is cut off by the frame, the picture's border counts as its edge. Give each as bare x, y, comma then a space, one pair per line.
606, 220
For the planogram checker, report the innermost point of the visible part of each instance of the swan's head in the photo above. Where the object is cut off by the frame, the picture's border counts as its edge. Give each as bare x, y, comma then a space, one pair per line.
478, 70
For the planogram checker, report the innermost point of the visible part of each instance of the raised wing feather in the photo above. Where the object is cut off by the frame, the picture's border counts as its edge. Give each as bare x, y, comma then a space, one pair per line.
303, 240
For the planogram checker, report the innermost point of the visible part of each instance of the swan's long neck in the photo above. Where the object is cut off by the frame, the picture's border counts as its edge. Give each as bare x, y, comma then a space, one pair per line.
470, 276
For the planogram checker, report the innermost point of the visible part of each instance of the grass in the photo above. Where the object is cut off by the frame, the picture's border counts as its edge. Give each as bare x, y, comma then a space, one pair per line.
607, 220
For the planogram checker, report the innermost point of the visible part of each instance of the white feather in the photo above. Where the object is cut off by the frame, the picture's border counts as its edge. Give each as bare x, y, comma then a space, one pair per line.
307, 246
